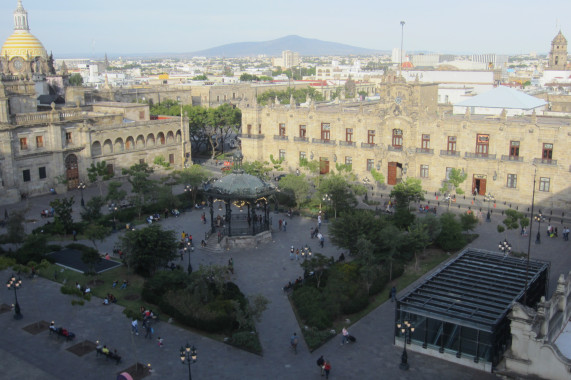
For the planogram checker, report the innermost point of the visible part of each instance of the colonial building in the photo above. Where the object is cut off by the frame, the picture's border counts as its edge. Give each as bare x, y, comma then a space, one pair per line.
405, 134
38, 150
558, 53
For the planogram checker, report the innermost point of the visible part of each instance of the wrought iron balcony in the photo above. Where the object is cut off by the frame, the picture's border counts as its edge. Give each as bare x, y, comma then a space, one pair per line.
512, 158
368, 145
347, 143
482, 156
251, 136
395, 148
320, 141
544, 161
302, 139
280, 137
452, 153
424, 151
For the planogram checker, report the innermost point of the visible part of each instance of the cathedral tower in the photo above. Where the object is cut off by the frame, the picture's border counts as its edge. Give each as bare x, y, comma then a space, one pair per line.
558, 53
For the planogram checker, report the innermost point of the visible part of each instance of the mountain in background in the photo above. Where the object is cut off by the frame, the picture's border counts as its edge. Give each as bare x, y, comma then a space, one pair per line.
303, 46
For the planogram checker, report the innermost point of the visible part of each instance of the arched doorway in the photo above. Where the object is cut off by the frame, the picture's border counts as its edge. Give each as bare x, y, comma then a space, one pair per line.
71, 171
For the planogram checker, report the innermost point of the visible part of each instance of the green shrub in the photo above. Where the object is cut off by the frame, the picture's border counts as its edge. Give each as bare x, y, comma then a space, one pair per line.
53, 247
20, 268
246, 340
132, 314
72, 290
155, 287
6, 262
77, 302
315, 338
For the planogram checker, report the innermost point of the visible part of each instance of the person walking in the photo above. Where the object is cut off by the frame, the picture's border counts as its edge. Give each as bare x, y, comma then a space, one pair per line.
135, 327
345, 338
285, 225
318, 221
160, 341
231, 265
327, 368
293, 342
393, 294
320, 363
291, 253
279, 225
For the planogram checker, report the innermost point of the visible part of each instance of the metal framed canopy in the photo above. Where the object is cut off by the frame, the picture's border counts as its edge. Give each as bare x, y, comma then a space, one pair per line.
477, 289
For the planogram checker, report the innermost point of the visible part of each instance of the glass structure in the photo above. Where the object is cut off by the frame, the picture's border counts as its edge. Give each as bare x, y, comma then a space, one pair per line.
462, 308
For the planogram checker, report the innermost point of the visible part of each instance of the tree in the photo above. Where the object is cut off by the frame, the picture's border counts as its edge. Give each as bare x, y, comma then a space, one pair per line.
91, 258
390, 242
92, 210
96, 232
468, 221
277, 164
298, 185
368, 262
377, 176
193, 176
317, 264
418, 238
514, 219
257, 168
455, 179
200, 77
63, 218
148, 249
142, 185
338, 191
114, 192
405, 192
346, 230
15, 229
97, 173
450, 237
75, 79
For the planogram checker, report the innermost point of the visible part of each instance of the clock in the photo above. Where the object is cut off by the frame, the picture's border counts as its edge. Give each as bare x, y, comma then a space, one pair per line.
398, 100
18, 63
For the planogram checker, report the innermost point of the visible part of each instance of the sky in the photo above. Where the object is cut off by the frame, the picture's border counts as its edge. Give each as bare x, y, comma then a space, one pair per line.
77, 28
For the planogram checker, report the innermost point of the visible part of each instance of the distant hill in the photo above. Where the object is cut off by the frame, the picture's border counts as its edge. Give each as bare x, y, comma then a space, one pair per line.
304, 46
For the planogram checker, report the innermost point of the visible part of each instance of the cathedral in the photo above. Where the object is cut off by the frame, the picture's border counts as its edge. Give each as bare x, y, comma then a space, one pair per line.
43, 149
558, 53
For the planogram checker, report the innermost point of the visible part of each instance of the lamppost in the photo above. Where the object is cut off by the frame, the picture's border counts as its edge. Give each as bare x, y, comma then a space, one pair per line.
406, 329
81, 186
15, 283
190, 249
306, 252
505, 247
538, 218
115, 218
189, 355
489, 197
189, 189
401, 46
327, 198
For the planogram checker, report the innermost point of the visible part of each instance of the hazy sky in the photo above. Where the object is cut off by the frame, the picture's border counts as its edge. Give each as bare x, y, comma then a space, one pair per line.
84, 27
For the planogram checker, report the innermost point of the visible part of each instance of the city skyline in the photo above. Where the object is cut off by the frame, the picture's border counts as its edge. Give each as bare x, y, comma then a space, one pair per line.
71, 28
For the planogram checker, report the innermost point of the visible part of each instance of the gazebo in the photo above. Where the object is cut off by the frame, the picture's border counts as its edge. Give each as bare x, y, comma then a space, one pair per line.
250, 215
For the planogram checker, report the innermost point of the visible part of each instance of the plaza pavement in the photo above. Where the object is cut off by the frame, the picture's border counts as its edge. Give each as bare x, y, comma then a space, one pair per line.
262, 270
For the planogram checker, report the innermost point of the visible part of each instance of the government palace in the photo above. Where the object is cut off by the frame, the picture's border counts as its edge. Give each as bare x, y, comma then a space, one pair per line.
45, 149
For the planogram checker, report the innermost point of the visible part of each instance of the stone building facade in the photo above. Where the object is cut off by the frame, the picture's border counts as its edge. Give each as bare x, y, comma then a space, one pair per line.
558, 53
405, 134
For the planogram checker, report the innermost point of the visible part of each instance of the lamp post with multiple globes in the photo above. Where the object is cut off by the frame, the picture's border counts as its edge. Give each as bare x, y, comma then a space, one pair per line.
405, 328
188, 355
16, 284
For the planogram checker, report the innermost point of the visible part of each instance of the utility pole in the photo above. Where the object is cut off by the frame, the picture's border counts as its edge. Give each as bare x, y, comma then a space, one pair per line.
401, 45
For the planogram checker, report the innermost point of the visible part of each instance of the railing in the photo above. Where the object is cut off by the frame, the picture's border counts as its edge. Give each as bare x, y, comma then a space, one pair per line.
347, 143
47, 117
320, 141
424, 150
251, 136
368, 145
395, 148
280, 137
544, 161
512, 158
302, 139
483, 156
453, 153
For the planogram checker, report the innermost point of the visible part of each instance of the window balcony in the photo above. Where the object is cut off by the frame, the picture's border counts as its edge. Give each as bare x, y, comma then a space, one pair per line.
424, 151
544, 161
368, 145
451, 153
347, 143
280, 137
302, 139
393, 148
320, 141
482, 156
251, 136
512, 158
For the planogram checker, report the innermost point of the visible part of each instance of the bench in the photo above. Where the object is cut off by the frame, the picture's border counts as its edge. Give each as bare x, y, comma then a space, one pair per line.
60, 331
109, 355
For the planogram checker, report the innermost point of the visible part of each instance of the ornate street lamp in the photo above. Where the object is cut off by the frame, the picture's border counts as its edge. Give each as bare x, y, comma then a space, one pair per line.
81, 186
538, 218
189, 355
188, 188
15, 283
406, 329
489, 198
505, 247
190, 249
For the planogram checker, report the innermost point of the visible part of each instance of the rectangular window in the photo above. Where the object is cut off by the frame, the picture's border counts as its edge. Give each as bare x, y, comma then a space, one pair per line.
371, 136
302, 131
547, 153
259, 129
23, 143
39, 141
514, 149
424, 171
302, 156
325, 131
282, 129
397, 138
370, 164
141, 160
349, 134
282, 154
425, 142
348, 161
110, 169
26, 175
42, 172
249, 129
171, 158
482, 145
141, 115
448, 172
451, 147
68, 138
512, 181
544, 184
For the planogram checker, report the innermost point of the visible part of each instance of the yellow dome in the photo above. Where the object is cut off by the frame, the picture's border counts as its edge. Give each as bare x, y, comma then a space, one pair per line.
23, 44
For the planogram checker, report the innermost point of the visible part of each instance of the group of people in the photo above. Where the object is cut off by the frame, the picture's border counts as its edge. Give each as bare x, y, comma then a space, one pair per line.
109, 299
553, 232
123, 286
426, 209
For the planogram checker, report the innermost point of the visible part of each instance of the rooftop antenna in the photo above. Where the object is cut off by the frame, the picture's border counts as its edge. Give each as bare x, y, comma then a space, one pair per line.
401, 44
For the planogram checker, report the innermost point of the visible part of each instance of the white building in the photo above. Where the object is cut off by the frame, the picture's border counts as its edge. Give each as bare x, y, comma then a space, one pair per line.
499, 100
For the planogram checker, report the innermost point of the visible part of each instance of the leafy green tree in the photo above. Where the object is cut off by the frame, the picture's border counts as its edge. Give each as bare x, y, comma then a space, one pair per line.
377, 176
148, 249
299, 95
338, 191
404, 193
390, 241
220, 123
450, 237
298, 185
15, 229
114, 192
455, 179
248, 78
468, 221
418, 238
257, 168
97, 173
353, 224
75, 80
368, 262
142, 186
200, 77
277, 163
317, 264
513, 220
92, 210
194, 176
95, 232
91, 258
63, 214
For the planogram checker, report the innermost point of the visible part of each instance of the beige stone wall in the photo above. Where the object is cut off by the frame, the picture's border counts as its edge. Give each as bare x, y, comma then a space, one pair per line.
416, 115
